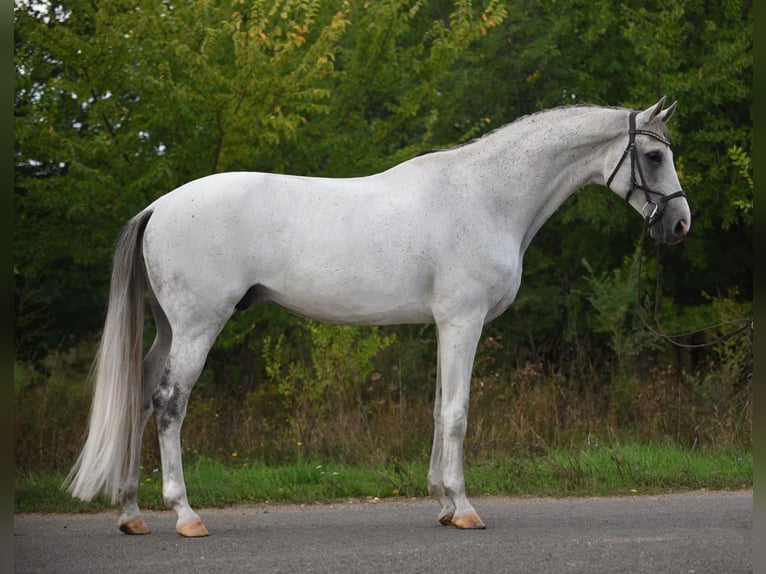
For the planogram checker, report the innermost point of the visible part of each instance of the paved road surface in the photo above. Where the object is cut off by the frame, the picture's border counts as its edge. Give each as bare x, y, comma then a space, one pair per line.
683, 533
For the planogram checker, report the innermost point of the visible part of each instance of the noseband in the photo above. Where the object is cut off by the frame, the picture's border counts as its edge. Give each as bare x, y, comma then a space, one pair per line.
652, 210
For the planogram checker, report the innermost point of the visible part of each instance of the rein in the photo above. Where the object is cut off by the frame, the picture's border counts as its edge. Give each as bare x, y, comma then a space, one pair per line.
657, 329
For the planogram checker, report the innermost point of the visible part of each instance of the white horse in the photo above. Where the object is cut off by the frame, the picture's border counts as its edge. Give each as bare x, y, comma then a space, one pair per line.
437, 239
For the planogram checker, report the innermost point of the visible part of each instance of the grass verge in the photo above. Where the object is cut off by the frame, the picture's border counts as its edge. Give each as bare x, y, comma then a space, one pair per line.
627, 469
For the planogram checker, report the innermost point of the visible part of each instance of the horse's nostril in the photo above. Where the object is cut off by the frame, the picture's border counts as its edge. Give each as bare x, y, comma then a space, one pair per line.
681, 228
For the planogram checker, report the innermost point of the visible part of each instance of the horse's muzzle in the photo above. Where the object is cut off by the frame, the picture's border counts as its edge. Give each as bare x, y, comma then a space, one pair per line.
669, 230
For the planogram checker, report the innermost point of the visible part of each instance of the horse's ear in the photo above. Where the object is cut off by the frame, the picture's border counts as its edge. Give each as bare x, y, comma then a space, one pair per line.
657, 109
668, 113
652, 111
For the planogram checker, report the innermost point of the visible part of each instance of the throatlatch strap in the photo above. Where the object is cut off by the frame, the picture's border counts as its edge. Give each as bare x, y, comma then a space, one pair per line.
631, 145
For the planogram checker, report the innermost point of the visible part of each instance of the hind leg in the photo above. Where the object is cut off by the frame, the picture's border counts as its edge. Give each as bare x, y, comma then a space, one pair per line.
132, 521
184, 365
198, 291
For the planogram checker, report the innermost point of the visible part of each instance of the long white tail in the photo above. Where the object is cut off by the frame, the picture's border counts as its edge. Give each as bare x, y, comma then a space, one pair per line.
114, 436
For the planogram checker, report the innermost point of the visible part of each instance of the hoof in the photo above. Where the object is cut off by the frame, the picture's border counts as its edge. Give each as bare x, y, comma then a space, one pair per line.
469, 522
135, 526
446, 520
193, 529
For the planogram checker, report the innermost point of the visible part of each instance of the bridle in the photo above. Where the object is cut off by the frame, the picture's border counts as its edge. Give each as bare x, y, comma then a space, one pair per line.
652, 210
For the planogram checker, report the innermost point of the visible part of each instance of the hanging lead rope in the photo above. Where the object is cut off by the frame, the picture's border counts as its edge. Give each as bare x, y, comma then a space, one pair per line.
745, 324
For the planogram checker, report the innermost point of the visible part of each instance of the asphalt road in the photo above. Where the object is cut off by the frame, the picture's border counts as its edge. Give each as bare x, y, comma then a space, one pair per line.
679, 533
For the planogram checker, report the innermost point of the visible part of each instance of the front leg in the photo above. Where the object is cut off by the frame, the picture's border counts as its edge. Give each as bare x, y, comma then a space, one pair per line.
435, 485
458, 338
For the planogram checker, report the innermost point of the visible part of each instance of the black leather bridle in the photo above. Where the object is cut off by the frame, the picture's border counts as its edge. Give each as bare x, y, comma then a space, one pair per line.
652, 210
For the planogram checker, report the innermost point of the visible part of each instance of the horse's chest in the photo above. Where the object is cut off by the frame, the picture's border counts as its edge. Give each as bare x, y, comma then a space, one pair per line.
502, 291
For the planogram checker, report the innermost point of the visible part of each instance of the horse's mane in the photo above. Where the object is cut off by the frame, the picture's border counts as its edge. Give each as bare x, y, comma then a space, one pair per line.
663, 127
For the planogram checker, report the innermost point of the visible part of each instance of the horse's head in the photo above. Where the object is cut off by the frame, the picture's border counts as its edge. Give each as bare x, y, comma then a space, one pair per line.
648, 179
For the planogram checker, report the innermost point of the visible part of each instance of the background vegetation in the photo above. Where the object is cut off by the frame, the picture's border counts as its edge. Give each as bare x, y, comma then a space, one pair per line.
117, 103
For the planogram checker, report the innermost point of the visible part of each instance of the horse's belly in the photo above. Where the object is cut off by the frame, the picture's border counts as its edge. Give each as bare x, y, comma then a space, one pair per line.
344, 314
348, 300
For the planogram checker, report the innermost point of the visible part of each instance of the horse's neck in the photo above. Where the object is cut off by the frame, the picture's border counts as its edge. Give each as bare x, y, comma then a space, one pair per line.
532, 166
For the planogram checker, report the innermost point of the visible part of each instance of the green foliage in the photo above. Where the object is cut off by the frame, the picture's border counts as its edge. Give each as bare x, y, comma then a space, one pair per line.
51, 410
613, 297
328, 388
741, 161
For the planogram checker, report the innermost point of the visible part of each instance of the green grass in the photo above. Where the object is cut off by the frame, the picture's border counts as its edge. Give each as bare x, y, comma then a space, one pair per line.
613, 471
595, 471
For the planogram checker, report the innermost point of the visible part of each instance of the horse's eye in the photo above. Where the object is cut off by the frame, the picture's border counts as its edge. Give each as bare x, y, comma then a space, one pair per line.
654, 157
